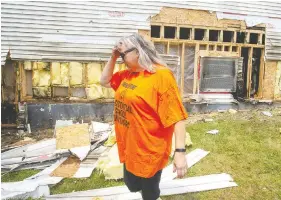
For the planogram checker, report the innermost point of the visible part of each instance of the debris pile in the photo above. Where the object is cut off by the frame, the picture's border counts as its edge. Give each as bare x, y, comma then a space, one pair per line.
76, 150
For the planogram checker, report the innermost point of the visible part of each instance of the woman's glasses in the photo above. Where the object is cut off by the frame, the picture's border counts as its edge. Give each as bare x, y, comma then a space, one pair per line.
123, 54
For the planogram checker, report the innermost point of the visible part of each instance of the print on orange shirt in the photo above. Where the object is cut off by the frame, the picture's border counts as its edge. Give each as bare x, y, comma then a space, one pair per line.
147, 105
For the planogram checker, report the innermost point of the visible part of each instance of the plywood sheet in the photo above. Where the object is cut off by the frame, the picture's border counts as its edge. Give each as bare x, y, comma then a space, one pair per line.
68, 168
76, 73
269, 79
94, 73
76, 135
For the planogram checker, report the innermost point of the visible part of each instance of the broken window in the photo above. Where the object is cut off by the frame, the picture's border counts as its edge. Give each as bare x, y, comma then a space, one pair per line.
214, 35
185, 33
228, 36
240, 37
254, 38
199, 34
155, 31
169, 32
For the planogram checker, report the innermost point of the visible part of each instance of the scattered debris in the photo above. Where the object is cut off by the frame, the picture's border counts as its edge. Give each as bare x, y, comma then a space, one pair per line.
208, 120
68, 168
213, 132
232, 111
266, 113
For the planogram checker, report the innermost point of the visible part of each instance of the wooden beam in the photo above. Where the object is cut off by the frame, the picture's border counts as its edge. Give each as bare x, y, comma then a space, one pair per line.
221, 36
17, 71
192, 35
261, 74
260, 38
194, 42
182, 69
168, 47
249, 72
196, 59
234, 37
247, 37
23, 81
162, 31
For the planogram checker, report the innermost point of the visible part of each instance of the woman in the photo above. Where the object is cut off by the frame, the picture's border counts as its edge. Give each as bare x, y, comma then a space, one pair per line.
147, 111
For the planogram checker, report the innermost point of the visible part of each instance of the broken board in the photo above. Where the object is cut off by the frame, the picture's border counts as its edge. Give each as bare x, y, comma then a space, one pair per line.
76, 135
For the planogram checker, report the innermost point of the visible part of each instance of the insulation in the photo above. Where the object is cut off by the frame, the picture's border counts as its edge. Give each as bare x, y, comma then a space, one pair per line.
41, 91
76, 135
94, 91
27, 65
108, 93
110, 165
94, 73
160, 47
277, 91
41, 78
68, 168
43, 65
64, 67
56, 73
76, 73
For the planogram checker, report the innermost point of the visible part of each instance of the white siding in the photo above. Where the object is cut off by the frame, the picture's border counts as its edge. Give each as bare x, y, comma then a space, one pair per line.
84, 31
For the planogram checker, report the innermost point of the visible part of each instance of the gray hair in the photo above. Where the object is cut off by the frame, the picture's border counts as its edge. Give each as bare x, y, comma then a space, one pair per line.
148, 56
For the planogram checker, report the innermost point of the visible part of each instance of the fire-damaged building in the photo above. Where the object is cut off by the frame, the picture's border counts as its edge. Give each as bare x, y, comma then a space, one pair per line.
223, 54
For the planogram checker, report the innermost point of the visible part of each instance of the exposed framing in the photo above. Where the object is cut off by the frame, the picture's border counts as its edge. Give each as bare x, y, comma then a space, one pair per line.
206, 48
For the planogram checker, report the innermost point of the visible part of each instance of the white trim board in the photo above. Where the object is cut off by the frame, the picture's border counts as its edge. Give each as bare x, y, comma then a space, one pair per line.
180, 186
192, 158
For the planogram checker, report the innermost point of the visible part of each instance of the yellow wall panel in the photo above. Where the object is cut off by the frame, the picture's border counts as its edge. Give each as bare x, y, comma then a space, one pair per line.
76, 73
94, 73
94, 91
56, 73
64, 67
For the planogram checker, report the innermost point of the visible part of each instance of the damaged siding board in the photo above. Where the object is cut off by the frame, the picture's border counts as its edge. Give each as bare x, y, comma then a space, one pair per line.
273, 42
63, 34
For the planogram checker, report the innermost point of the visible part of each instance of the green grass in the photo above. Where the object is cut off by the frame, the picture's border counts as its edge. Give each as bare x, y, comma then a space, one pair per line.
18, 175
248, 147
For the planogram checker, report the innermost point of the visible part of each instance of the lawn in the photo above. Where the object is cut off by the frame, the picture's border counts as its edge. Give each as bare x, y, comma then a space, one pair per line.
248, 147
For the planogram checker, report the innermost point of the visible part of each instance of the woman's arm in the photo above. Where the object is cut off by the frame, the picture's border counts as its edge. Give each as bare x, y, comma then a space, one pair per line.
180, 162
109, 68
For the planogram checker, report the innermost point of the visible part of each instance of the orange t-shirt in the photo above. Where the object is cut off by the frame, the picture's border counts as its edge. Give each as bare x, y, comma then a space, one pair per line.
146, 107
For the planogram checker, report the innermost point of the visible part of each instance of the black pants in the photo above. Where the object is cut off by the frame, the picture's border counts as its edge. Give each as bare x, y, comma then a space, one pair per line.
148, 186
